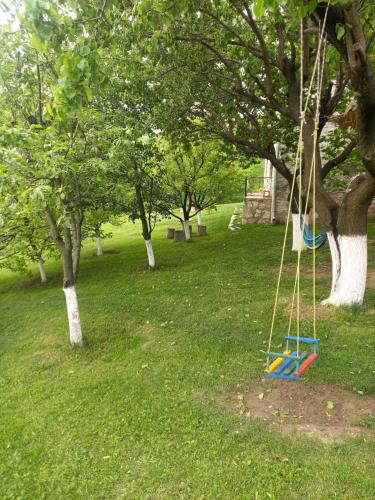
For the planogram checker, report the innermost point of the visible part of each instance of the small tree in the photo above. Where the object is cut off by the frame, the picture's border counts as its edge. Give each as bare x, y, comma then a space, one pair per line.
195, 177
25, 239
136, 164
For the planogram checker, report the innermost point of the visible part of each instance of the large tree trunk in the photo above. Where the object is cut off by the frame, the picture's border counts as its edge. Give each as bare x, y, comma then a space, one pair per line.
42, 271
348, 244
349, 269
348, 240
298, 243
346, 227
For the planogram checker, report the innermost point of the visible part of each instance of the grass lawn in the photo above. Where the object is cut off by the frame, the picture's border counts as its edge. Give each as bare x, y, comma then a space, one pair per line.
135, 413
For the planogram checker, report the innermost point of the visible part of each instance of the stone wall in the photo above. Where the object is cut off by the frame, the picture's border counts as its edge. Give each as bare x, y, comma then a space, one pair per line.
282, 203
256, 209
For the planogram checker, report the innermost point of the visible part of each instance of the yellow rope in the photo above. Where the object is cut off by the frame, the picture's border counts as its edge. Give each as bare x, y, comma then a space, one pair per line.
298, 164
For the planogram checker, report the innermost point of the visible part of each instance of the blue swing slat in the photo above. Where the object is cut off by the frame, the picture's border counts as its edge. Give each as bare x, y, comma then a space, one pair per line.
284, 365
282, 376
303, 340
280, 355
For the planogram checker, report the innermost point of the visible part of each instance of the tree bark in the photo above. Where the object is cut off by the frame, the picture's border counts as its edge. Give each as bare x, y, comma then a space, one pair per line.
146, 231
76, 243
186, 227
65, 247
346, 226
99, 248
150, 254
298, 243
42, 271
75, 332
348, 244
200, 219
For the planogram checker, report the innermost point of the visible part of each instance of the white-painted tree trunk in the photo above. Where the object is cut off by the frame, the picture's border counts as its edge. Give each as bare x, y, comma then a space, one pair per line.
150, 253
298, 243
99, 246
200, 219
42, 271
186, 227
75, 332
349, 269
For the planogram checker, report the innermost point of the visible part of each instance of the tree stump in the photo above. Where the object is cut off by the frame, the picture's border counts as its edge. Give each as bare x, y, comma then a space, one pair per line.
170, 233
179, 235
202, 230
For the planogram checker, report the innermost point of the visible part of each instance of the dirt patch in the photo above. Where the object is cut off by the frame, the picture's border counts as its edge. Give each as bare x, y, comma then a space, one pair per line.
322, 270
48, 356
327, 413
370, 279
306, 310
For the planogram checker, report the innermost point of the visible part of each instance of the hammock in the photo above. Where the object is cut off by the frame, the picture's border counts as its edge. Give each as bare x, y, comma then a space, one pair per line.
312, 242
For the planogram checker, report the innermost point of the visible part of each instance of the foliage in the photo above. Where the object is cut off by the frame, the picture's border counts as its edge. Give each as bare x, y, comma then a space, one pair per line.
196, 176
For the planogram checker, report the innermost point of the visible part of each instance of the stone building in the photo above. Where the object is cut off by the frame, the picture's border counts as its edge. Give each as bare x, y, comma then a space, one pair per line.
266, 198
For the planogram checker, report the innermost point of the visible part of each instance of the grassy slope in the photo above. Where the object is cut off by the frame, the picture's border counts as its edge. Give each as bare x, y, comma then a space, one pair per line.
133, 413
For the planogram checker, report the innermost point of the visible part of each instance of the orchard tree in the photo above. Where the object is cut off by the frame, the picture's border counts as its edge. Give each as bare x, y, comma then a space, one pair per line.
137, 166
239, 75
195, 176
46, 149
94, 222
25, 239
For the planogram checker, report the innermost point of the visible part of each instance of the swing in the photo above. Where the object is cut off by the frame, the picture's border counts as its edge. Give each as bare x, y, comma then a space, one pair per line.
291, 365
293, 361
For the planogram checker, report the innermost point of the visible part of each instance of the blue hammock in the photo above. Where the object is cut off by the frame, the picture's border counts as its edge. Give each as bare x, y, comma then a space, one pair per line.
312, 242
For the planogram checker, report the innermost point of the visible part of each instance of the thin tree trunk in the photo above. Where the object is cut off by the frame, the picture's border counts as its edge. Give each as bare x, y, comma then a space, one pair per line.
64, 245
75, 331
186, 227
42, 271
150, 254
76, 244
99, 248
146, 233
200, 218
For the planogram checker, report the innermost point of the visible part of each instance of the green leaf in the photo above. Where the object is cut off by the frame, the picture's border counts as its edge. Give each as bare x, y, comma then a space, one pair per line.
330, 405
340, 31
88, 93
259, 8
84, 50
37, 43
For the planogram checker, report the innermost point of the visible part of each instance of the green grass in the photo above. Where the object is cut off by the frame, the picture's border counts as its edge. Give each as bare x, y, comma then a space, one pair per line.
134, 413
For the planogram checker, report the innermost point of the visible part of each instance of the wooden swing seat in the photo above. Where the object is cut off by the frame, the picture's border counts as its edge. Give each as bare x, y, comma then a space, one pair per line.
290, 365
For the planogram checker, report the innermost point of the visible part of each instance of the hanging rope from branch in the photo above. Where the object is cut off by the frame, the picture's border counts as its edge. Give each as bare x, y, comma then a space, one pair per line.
291, 365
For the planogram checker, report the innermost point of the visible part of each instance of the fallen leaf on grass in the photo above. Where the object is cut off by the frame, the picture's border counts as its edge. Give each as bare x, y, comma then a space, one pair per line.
330, 405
